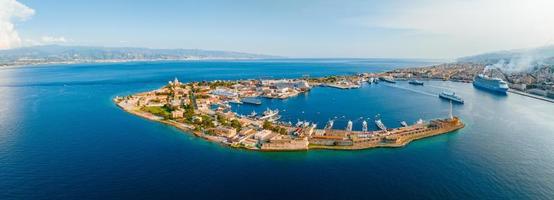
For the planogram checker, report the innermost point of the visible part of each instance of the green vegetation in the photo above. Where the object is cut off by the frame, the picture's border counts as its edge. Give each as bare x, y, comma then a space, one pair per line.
216, 84
202, 96
235, 123
275, 128
161, 111
222, 119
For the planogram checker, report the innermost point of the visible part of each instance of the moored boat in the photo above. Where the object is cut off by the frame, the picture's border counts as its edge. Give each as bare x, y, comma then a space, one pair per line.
251, 100
388, 79
349, 126
379, 123
404, 124
329, 124
269, 114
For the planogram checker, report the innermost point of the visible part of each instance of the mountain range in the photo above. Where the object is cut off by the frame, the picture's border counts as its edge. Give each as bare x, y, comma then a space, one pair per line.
77, 54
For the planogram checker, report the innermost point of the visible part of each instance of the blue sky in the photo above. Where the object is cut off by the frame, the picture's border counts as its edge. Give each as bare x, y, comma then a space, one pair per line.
409, 29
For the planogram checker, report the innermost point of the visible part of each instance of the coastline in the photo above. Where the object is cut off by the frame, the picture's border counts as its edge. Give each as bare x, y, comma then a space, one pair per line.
13, 66
276, 136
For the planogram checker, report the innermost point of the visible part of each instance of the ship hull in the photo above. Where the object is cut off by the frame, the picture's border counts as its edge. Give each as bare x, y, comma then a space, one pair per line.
451, 99
415, 83
490, 88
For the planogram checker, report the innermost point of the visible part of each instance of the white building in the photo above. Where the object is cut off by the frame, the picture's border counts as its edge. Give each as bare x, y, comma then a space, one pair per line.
264, 135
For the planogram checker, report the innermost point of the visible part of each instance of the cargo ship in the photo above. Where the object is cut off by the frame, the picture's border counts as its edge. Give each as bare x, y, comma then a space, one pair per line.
490, 84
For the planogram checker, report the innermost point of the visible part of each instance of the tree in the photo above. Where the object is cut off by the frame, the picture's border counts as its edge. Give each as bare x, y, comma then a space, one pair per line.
236, 124
267, 125
283, 131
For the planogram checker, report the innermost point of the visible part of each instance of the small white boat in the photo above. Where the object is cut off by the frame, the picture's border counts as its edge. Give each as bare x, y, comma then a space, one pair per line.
404, 124
349, 126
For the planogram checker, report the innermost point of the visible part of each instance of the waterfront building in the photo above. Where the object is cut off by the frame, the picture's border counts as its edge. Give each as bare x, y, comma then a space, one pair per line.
536, 91
177, 114
246, 131
228, 132
224, 93
264, 135
175, 82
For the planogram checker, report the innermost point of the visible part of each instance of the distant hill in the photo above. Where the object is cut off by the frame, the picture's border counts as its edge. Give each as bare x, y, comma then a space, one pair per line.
540, 55
76, 54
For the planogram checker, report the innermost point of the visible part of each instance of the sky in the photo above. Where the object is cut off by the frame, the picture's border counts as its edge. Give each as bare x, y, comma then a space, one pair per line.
438, 29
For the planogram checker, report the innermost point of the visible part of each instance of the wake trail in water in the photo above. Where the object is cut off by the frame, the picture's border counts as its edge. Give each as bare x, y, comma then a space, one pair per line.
438, 87
411, 90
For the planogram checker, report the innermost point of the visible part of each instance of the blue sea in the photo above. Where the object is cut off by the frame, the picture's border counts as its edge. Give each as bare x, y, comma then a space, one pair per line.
61, 137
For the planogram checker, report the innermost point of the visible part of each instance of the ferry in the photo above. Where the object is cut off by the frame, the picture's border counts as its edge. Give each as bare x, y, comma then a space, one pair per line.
349, 126
251, 100
490, 84
415, 82
387, 79
451, 96
329, 124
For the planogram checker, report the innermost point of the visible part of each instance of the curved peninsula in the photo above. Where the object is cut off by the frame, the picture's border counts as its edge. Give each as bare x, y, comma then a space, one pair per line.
202, 108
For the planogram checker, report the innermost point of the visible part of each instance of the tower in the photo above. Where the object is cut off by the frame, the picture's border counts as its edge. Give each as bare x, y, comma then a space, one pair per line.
450, 111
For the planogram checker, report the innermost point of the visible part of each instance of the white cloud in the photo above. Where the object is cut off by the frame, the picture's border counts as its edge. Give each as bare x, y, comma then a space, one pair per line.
52, 39
10, 12
469, 26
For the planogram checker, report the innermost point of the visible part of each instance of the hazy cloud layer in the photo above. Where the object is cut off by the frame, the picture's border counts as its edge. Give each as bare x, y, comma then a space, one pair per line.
472, 25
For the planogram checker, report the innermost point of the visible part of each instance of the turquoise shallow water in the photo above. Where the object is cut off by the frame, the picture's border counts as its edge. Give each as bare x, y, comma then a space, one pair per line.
61, 137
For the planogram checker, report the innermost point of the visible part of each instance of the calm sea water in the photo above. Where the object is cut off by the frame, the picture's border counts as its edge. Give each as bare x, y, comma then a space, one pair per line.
61, 137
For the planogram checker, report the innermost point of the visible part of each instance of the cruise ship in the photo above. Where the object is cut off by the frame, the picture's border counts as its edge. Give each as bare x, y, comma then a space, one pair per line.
451, 96
490, 84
